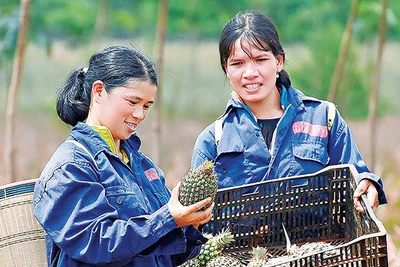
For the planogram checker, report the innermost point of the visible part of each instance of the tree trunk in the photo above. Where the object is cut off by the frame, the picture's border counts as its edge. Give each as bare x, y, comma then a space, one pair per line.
162, 25
344, 47
375, 84
9, 148
100, 23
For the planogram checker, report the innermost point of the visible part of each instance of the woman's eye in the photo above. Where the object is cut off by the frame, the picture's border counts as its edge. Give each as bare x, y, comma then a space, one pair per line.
236, 63
146, 107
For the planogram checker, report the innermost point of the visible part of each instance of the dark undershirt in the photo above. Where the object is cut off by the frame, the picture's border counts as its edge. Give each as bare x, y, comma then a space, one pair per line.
267, 129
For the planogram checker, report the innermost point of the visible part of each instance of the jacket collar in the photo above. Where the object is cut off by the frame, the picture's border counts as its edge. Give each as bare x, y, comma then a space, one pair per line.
289, 96
105, 133
95, 142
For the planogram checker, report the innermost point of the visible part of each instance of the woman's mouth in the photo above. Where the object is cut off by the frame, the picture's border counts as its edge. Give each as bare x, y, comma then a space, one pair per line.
131, 126
252, 87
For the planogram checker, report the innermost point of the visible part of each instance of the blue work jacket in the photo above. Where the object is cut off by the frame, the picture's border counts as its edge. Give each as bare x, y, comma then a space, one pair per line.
101, 212
303, 144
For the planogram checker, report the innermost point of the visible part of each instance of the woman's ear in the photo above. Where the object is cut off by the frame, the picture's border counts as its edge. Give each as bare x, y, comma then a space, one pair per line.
228, 74
279, 62
97, 90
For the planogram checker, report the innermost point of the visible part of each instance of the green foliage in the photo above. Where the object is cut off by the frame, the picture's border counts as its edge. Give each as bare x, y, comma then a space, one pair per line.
9, 27
132, 18
296, 20
72, 21
313, 75
310, 76
314, 25
368, 20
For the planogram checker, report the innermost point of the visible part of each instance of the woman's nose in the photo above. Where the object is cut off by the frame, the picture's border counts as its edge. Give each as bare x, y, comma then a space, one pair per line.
250, 71
138, 113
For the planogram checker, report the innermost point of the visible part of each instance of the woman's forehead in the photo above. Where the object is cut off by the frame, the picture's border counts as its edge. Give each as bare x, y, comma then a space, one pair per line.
248, 46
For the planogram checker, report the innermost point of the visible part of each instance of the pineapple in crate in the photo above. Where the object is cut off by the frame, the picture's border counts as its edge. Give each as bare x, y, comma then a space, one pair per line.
258, 257
294, 251
198, 184
211, 250
225, 261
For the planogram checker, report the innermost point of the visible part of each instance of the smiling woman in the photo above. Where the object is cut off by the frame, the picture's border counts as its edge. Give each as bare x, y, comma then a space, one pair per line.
100, 200
121, 109
270, 129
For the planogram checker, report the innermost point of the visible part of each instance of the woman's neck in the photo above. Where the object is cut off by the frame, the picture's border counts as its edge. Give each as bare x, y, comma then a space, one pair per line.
269, 108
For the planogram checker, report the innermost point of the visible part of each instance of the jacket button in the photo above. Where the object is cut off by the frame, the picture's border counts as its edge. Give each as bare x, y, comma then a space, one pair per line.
223, 170
119, 200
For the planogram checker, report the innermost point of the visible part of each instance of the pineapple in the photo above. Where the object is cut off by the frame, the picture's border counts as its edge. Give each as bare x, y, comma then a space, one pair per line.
224, 261
259, 257
316, 247
306, 249
212, 248
198, 184
272, 262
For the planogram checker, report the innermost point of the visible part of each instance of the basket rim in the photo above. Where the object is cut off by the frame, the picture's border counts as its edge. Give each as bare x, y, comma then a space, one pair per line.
23, 182
328, 168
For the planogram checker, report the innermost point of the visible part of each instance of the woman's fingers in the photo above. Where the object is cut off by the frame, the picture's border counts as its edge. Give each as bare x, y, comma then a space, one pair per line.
199, 205
204, 216
367, 187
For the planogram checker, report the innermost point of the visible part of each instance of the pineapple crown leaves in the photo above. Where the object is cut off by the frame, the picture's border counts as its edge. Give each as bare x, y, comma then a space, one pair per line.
259, 257
259, 253
224, 238
206, 168
204, 171
213, 248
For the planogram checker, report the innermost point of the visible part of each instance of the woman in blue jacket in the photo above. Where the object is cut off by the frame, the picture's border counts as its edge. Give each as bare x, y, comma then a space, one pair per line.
100, 200
269, 129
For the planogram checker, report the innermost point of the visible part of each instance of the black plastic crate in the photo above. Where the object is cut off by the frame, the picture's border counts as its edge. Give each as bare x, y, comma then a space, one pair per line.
313, 208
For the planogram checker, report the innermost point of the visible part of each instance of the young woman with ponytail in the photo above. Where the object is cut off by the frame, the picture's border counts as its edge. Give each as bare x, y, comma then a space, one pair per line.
270, 129
100, 200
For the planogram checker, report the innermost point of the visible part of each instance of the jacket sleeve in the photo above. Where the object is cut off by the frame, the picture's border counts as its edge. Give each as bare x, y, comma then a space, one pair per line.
205, 147
343, 150
72, 207
194, 241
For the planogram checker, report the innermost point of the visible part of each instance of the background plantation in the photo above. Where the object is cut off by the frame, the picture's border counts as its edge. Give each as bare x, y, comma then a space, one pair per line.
63, 34
312, 29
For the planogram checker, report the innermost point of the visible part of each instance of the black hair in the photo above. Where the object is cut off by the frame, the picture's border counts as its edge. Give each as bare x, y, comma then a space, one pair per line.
115, 66
257, 29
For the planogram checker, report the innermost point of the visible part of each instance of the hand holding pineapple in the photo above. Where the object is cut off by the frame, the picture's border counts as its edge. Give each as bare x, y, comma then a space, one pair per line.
199, 184
192, 214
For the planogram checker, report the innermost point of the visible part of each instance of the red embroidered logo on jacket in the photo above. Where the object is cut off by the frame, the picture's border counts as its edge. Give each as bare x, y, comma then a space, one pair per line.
152, 174
308, 128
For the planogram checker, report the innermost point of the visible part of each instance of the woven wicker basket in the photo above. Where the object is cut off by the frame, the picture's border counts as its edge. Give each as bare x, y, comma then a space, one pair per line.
21, 236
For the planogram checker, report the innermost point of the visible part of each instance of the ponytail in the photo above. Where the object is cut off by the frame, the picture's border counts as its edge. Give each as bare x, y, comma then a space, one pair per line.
283, 79
115, 66
74, 98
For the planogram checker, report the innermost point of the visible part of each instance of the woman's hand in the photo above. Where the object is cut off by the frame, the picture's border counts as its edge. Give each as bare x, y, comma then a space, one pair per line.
187, 215
366, 186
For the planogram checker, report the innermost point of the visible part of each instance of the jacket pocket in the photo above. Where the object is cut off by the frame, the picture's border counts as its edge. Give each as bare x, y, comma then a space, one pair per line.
310, 151
126, 201
308, 157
